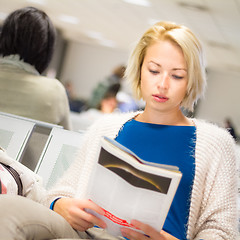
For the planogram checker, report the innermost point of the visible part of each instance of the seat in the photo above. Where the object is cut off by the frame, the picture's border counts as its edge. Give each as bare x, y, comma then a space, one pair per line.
15, 133
58, 153
34, 132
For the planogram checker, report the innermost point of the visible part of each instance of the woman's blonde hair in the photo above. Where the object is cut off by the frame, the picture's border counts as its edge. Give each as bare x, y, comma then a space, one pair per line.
193, 55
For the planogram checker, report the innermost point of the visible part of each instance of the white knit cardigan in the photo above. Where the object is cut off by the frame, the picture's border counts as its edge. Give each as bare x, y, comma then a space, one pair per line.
213, 209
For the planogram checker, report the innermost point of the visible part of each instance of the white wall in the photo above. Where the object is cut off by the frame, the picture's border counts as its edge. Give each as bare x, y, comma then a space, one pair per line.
222, 98
85, 65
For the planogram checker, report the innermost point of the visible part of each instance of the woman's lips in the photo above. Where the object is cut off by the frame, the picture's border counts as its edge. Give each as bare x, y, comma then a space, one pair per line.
160, 98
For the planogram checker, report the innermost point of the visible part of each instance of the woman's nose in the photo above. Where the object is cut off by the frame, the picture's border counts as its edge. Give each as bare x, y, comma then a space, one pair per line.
163, 81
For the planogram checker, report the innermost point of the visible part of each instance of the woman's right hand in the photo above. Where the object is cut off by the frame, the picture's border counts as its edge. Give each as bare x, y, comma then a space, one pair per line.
73, 210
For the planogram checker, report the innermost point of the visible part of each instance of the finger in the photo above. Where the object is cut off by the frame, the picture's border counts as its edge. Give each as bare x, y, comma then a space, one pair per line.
140, 225
93, 206
132, 235
88, 204
166, 235
147, 229
90, 218
79, 218
82, 225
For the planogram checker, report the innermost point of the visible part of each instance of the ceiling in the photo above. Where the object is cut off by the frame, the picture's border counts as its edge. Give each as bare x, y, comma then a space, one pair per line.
118, 23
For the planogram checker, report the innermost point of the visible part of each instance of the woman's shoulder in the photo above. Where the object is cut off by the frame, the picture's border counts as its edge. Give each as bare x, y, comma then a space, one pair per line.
212, 131
205, 124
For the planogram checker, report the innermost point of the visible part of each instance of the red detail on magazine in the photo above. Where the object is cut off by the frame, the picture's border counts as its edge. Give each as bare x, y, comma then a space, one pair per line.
117, 220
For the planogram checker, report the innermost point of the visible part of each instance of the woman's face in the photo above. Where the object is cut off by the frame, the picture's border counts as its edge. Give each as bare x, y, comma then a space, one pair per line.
164, 77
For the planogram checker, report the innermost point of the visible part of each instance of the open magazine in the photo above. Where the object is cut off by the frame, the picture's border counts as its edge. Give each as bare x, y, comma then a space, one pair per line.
127, 188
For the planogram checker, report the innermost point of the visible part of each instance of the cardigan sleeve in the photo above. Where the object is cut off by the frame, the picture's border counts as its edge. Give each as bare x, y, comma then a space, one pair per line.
217, 216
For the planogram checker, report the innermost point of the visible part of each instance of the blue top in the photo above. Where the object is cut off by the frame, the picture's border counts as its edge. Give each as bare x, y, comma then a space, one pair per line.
171, 145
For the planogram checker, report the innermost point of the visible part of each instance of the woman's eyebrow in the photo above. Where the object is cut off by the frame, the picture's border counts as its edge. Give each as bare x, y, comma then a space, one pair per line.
159, 65
175, 69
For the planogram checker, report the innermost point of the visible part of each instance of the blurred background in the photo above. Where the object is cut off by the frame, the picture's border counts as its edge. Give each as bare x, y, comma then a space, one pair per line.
95, 36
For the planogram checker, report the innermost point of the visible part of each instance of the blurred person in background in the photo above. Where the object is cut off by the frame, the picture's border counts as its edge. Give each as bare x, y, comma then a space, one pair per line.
27, 42
230, 127
75, 103
118, 74
105, 103
108, 103
111, 83
115, 81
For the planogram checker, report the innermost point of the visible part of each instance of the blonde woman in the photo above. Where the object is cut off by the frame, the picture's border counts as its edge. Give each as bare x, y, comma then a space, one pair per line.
167, 70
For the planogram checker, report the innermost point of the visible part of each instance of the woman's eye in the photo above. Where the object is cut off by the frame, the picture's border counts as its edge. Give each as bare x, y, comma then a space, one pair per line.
154, 72
177, 77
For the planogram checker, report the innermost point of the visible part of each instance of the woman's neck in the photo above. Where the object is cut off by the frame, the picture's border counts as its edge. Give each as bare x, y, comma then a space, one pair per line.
174, 118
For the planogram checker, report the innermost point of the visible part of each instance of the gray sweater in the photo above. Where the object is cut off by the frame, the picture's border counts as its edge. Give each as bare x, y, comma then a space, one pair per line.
25, 93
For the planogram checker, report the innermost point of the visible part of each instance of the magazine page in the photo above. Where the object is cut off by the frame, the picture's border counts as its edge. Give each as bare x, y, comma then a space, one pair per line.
129, 190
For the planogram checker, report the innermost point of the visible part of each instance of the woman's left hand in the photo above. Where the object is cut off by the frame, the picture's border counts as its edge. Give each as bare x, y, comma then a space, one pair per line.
150, 233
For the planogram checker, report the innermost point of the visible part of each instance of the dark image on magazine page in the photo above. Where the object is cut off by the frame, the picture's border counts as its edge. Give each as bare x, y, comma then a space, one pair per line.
132, 175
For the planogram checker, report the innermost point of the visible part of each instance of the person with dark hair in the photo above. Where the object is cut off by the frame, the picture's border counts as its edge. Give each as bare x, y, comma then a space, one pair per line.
27, 42
29, 33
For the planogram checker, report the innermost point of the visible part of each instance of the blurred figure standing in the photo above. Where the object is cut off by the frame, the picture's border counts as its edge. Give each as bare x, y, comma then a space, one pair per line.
75, 104
26, 47
117, 75
114, 83
111, 84
107, 104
